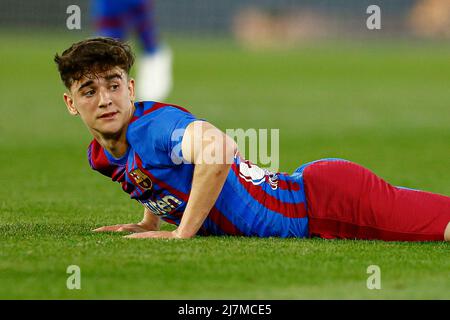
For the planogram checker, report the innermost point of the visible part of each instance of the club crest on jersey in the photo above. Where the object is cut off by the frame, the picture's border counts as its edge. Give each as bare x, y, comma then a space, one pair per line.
141, 179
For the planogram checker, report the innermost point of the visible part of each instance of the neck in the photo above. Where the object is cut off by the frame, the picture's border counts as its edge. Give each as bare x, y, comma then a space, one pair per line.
116, 145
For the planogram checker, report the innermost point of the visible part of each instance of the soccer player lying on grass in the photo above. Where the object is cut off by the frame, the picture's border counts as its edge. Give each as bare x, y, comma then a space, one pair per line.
158, 153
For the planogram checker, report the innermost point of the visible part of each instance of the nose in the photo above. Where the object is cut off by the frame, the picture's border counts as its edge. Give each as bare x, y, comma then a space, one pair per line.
104, 98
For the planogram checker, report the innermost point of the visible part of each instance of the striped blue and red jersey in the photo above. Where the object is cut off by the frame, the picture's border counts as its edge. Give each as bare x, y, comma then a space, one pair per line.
253, 201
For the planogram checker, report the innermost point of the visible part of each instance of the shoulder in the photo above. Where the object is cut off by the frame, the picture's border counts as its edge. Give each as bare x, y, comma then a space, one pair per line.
98, 159
156, 129
146, 110
155, 122
96, 156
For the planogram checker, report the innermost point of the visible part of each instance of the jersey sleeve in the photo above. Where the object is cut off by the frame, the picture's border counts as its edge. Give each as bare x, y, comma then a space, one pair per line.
99, 162
157, 136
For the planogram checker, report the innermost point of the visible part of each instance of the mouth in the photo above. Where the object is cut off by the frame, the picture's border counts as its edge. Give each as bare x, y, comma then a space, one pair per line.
108, 115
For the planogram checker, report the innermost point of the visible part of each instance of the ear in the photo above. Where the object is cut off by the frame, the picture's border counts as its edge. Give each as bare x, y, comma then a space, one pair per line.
131, 89
68, 100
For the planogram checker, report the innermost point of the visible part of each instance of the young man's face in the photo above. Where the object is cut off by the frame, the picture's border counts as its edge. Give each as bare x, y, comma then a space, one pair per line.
104, 102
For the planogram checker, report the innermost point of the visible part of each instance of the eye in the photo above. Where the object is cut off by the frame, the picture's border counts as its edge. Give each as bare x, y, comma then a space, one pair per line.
114, 87
89, 93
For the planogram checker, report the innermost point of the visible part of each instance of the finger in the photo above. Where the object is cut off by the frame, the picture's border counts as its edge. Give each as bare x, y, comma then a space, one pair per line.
107, 228
134, 236
133, 228
142, 235
128, 229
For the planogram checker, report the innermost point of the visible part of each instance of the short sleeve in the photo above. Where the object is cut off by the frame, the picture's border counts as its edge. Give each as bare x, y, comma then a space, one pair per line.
157, 136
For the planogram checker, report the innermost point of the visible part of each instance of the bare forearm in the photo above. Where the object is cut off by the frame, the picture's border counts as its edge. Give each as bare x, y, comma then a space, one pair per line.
212, 152
208, 181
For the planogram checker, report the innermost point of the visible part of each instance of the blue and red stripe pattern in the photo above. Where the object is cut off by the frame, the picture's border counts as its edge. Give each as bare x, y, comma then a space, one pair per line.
274, 206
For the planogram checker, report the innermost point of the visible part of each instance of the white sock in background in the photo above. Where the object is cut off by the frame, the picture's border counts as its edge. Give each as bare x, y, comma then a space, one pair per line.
154, 75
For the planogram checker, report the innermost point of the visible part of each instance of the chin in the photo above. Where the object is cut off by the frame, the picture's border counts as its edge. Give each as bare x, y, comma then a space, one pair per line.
111, 129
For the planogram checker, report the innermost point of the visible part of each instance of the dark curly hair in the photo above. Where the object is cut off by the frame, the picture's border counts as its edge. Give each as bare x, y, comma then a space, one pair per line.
92, 57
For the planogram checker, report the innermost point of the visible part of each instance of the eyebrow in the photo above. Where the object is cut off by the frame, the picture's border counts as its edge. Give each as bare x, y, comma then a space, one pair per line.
113, 76
107, 78
87, 83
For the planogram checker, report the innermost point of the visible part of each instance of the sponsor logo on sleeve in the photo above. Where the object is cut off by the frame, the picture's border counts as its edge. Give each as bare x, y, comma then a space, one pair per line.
162, 206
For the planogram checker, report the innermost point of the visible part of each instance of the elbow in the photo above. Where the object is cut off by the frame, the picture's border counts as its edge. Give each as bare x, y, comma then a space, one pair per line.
219, 150
230, 151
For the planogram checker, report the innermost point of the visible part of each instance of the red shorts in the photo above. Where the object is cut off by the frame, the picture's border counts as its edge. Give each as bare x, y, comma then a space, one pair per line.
346, 200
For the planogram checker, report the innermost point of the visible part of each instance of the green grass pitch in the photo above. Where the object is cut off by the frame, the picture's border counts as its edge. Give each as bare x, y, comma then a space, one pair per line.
383, 105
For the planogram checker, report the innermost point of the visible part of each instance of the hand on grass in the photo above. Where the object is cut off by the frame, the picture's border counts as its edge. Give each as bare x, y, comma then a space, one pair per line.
156, 234
127, 227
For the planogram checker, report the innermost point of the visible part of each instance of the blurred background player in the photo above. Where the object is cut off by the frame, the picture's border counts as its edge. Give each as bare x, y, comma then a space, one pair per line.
117, 19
